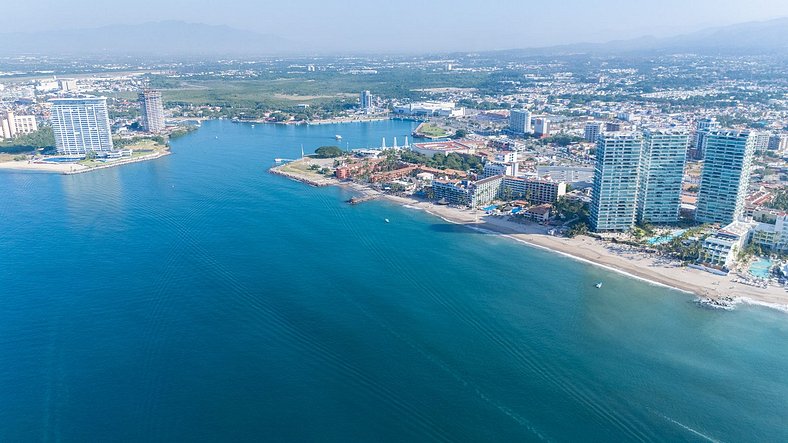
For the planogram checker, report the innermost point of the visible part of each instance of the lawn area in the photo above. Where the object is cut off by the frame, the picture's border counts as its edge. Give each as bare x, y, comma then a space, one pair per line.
431, 131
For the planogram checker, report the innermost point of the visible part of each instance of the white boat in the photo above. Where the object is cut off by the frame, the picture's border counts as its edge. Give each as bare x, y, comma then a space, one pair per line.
387, 220
598, 285
338, 137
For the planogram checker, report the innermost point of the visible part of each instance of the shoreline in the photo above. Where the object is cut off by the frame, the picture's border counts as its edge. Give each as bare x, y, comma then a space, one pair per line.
654, 270
74, 168
633, 263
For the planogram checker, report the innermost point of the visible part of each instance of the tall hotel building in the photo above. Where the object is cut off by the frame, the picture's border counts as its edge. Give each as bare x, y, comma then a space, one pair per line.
616, 175
152, 110
366, 100
662, 161
81, 125
726, 175
520, 121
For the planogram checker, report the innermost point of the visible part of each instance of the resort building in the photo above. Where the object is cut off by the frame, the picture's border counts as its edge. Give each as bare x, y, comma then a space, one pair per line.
662, 161
538, 213
81, 125
452, 192
12, 125
771, 230
725, 176
152, 111
615, 189
520, 121
719, 250
484, 191
534, 191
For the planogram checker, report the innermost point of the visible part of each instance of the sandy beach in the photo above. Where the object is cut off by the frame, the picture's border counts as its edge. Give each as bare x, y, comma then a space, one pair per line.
57, 168
75, 168
623, 259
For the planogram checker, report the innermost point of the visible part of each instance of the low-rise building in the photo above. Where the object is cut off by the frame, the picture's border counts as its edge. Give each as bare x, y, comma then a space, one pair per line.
538, 213
719, 249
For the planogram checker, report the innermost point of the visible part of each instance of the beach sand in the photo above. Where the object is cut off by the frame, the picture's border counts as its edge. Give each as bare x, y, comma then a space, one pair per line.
58, 168
620, 258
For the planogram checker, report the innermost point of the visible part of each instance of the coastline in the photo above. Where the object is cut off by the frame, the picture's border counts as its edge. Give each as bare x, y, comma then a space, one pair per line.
74, 168
652, 269
622, 259
645, 267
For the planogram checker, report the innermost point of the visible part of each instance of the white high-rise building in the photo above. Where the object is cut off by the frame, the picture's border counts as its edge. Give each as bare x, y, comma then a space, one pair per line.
701, 129
591, 131
726, 175
520, 121
81, 125
662, 161
542, 127
152, 110
616, 175
366, 100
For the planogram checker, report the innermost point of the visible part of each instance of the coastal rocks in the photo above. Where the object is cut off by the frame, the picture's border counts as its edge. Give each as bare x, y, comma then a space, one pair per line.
725, 302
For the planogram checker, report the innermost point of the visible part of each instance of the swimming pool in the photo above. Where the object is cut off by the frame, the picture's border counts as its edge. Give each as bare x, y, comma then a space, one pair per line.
761, 267
653, 241
63, 159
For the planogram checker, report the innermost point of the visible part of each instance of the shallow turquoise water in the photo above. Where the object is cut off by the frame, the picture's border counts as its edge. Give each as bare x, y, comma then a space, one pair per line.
199, 298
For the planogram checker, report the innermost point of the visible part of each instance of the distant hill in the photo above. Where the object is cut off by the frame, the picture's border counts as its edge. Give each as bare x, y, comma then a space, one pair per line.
154, 38
752, 37
187, 39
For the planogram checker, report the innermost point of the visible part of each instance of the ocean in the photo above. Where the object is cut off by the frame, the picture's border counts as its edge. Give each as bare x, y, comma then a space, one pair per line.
198, 297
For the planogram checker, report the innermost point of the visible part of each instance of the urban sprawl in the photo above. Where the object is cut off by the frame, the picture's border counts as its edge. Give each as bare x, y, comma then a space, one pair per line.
679, 156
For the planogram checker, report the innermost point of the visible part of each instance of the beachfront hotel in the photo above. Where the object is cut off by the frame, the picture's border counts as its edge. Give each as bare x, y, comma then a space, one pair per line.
81, 125
662, 161
615, 190
152, 111
725, 177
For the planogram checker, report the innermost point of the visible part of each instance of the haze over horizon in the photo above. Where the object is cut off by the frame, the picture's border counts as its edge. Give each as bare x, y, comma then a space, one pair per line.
408, 25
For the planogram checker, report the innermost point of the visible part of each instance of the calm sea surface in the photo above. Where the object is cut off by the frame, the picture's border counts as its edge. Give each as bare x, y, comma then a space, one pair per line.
199, 298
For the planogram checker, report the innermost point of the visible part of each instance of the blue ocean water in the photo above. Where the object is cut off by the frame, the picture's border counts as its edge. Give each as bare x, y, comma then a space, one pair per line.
199, 298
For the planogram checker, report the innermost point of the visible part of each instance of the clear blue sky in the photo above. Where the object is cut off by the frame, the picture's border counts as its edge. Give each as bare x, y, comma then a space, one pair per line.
408, 24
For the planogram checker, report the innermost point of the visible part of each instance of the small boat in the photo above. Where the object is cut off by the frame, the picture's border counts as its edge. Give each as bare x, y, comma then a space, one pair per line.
387, 220
338, 137
598, 285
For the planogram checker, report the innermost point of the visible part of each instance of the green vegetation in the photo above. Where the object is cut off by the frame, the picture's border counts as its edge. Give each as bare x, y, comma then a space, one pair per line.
432, 131
460, 162
137, 142
687, 246
568, 209
563, 139
328, 152
43, 139
460, 133
780, 200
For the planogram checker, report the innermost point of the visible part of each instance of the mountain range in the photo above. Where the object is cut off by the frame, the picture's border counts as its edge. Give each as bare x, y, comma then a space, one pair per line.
192, 39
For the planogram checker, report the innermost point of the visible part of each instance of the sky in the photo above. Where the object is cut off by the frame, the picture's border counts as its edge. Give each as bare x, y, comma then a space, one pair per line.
407, 24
